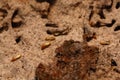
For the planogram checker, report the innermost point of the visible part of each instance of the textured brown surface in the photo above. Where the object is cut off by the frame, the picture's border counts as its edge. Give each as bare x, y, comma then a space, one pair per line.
25, 24
73, 61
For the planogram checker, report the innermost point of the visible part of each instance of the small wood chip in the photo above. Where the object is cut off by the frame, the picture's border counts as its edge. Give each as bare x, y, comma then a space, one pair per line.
50, 38
15, 58
105, 42
56, 34
45, 45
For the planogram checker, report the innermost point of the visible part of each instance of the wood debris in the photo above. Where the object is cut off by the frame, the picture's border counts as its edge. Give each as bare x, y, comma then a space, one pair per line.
50, 38
16, 58
45, 45
105, 42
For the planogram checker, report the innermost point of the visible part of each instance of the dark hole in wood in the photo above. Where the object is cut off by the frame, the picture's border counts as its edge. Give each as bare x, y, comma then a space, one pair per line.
36, 78
18, 39
89, 39
15, 13
49, 1
51, 25
113, 62
4, 11
49, 32
90, 7
91, 14
4, 27
110, 25
117, 5
98, 24
117, 28
108, 7
101, 14
76, 4
1, 29
116, 70
44, 13
93, 69
16, 24
44, 16
41, 0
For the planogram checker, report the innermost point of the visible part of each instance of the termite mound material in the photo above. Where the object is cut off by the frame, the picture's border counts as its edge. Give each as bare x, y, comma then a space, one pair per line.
73, 61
